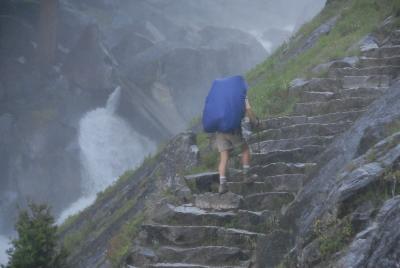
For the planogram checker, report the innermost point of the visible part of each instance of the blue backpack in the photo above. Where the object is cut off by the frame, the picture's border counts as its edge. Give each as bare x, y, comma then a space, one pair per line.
225, 105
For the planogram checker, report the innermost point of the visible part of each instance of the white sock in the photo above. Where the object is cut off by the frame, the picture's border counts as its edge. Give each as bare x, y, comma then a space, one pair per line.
222, 179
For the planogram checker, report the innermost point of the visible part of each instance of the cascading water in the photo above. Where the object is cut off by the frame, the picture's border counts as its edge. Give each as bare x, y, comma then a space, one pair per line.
4, 245
109, 146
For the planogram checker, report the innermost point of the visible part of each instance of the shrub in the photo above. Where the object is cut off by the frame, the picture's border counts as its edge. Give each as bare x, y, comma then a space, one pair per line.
36, 245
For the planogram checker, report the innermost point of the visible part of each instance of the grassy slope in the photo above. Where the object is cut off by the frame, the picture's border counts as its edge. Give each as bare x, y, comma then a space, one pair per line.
269, 80
268, 93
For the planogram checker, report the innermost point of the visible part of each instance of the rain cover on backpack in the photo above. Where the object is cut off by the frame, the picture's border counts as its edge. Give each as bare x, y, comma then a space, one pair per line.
225, 105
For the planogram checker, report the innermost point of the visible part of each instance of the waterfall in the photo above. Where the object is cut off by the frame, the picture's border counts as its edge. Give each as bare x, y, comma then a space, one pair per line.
109, 146
4, 245
265, 43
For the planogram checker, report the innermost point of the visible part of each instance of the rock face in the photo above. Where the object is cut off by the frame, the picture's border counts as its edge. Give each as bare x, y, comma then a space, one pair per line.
326, 192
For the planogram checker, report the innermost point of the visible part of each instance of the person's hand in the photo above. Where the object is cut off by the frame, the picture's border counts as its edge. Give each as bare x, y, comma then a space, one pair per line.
255, 123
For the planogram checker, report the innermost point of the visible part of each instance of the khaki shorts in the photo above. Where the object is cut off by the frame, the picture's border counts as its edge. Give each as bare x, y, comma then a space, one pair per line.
227, 141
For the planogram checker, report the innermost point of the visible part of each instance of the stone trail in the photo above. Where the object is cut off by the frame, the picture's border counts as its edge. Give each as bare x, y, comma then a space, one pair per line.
223, 230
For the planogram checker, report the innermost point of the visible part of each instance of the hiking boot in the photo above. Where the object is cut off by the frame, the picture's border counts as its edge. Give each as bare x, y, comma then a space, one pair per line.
223, 188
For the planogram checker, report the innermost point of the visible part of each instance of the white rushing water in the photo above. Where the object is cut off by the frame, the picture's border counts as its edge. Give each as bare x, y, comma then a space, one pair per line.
4, 245
109, 146
265, 43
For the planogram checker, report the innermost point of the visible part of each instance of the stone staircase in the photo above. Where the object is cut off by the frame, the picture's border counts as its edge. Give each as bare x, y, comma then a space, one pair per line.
223, 230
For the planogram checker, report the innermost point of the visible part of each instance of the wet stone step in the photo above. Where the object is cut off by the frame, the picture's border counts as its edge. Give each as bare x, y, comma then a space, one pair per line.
279, 122
383, 52
287, 144
241, 219
204, 255
317, 108
194, 236
285, 182
141, 257
310, 96
189, 265
391, 71
361, 93
336, 117
244, 189
373, 81
217, 201
300, 130
303, 154
190, 215
202, 182
316, 85
284, 121
366, 62
280, 168
273, 201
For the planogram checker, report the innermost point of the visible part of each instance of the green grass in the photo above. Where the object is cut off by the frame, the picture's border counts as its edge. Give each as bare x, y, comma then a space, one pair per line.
120, 245
76, 238
333, 236
269, 80
109, 191
208, 156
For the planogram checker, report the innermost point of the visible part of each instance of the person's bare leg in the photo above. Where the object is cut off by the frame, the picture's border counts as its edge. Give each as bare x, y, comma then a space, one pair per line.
223, 162
246, 164
245, 155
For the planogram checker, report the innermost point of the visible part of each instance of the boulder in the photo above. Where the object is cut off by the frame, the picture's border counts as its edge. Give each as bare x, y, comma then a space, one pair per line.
368, 42
342, 63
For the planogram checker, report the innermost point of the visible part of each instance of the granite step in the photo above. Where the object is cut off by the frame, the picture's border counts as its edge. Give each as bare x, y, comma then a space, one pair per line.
284, 121
189, 265
204, 255
279, 168
272, 201
318, 108
368, 62
299, 130
242, 219
316, 85
383, 52
303, 154
244, 189
372, 81
311, 96
194, 236
390, 70
287, 144
395, 37
202, 182
284, 182
361, 93
215, 201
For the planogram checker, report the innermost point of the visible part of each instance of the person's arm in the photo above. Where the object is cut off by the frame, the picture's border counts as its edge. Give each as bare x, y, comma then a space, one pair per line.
250, 114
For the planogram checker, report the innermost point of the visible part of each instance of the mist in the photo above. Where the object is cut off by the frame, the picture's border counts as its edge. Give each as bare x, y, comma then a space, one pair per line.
89, 88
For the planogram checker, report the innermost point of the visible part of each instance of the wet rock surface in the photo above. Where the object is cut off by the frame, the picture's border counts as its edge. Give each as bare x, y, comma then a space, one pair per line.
325, 193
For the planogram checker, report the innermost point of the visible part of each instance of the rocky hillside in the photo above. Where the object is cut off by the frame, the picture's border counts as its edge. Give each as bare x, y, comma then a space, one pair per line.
327, 160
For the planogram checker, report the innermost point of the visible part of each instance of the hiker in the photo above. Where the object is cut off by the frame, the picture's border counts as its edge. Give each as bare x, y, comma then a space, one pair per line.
226, 142
226, 106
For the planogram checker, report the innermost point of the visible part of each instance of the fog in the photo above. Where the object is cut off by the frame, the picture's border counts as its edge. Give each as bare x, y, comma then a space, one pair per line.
64, 128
